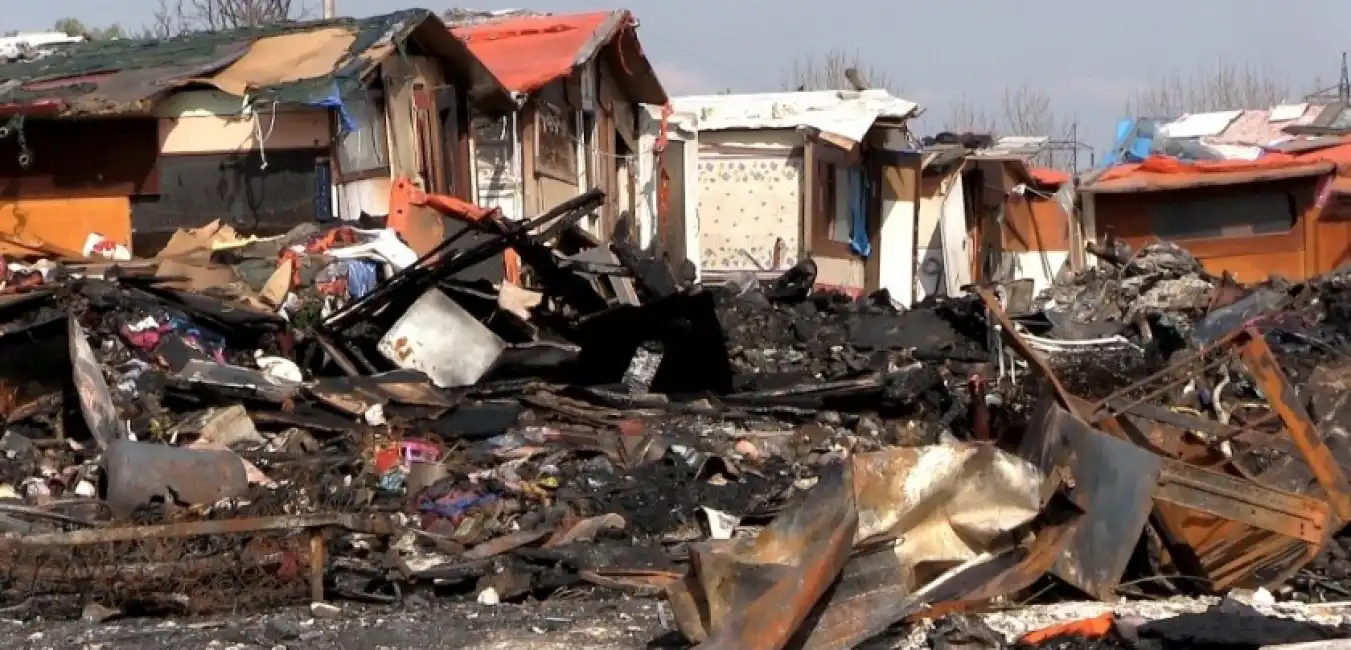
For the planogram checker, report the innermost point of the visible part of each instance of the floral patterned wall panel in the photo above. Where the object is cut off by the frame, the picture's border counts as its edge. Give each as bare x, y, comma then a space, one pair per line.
748, 204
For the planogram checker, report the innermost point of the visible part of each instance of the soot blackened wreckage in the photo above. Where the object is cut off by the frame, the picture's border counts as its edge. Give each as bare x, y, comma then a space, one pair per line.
1144, 455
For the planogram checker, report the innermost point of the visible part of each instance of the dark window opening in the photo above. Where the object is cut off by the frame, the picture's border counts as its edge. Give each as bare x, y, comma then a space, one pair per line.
1233, 215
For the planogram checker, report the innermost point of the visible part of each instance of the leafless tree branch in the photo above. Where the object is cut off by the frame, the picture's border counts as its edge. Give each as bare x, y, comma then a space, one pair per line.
965, 116
831, 71
1217, 87
177, 17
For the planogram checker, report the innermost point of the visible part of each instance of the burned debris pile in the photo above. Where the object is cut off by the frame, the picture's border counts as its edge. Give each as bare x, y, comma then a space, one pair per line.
328, 415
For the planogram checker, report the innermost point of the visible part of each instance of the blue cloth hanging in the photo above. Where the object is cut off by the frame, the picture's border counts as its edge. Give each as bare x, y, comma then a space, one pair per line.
858, 213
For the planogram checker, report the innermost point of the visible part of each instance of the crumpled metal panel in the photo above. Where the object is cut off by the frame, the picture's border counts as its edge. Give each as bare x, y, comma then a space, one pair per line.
1111, 479
921, 522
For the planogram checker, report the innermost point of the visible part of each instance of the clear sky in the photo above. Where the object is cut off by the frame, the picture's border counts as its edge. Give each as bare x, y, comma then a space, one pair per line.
1088, 56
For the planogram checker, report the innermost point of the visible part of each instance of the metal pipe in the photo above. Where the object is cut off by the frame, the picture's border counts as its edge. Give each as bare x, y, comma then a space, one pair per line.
330, 9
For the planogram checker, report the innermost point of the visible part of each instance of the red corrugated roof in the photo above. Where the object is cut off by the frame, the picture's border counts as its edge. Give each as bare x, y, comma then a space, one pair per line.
529, 52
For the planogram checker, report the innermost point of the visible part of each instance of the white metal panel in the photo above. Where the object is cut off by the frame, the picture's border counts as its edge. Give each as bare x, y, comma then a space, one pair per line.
844, 112
645, 183
1040, 266
1199, 125
438, 337
957, 248
896, 246
1287, 112
1233, 151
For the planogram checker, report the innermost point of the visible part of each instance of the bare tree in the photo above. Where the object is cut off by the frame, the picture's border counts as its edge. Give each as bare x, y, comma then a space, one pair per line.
70, 27
1217, 87
965, 116
1023, 110
832, 71
74, 27
176, 17
1027, 111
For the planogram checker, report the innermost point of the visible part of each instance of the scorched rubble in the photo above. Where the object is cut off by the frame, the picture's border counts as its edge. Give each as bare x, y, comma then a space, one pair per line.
329, 416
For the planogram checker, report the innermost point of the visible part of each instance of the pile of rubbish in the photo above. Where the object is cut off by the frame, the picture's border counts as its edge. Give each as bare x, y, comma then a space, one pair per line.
330, 416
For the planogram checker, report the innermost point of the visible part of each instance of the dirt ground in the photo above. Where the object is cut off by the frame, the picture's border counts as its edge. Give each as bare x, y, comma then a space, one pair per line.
554, 625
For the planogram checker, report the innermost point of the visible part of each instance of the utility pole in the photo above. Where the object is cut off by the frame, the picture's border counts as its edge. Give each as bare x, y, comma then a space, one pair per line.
1339, 93
330, 9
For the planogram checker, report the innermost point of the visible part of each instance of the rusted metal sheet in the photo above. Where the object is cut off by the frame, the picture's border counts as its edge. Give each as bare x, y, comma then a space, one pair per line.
871, 595
1112, 481
758, 598
1243, 501
798, 584
1016, 569
1262, 364
1229, 554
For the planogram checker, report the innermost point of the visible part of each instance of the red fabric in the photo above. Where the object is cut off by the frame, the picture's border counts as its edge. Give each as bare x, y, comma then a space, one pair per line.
1339, 154
527, 53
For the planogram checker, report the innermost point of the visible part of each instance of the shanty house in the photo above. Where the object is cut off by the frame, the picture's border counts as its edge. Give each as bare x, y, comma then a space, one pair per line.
262, 129
1253, 193
758, 182
580, 80
986, 213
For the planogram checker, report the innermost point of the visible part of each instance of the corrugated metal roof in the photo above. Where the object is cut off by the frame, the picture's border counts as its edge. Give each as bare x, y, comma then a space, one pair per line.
847, 113
125, 76
528, 52
1258, 127
1199, 125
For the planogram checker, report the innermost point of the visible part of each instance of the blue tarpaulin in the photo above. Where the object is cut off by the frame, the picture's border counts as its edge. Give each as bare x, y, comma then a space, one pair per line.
1132, 143
346, 123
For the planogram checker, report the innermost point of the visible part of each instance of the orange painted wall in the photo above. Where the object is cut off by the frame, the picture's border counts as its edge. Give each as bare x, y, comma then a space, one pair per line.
1251, 259
64, 223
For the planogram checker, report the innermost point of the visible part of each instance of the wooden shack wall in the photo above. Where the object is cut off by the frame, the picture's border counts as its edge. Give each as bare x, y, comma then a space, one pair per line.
1292, 254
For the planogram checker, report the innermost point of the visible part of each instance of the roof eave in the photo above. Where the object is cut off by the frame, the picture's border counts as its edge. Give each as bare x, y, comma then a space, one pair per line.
644, 86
